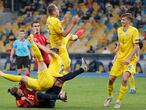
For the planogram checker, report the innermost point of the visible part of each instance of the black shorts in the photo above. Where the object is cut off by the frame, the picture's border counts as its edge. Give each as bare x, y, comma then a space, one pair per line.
22, 62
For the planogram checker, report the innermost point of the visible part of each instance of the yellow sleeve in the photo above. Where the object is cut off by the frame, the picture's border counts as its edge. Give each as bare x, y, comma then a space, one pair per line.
135, 38
58, 26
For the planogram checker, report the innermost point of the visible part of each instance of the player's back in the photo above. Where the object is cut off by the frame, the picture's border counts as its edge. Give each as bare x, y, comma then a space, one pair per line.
55, 29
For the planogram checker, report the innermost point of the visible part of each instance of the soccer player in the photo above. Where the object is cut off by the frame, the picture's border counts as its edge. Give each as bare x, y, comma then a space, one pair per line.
47, 77
131, 79
31, 98
58, 35
125, 63
22, 49
39, 38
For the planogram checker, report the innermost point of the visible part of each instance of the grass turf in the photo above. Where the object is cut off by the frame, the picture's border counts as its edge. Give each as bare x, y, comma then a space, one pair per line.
84, 94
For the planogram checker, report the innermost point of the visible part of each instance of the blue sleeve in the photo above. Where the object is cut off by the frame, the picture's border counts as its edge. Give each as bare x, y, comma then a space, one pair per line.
15, 44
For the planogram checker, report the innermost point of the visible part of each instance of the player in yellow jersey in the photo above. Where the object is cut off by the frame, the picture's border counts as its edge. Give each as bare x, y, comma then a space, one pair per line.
132, 79
58, 35
125, 62
47, 77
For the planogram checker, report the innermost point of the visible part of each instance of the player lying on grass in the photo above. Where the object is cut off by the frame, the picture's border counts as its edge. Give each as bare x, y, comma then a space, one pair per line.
47, 77
31, 98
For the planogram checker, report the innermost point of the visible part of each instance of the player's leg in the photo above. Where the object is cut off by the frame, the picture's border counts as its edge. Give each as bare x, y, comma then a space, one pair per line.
19, 64
71, 75
60, 81
132, 84
45, 80
128, 71
48, 96
110, 88
26, 64
13, 78
30, 82
116, 70
123, 89
63, 53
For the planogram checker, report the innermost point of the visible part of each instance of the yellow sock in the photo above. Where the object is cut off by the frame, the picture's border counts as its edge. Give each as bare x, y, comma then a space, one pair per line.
110, 90
37, 52
122, 92
14, 78
132, 82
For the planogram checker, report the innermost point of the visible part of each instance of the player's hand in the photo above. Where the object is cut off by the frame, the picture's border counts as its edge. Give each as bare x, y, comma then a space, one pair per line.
23, 98
66, 16
75, 19
127, 61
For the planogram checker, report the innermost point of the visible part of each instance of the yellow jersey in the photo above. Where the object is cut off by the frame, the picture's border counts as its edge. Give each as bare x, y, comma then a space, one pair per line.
127, 40
55, 29
56, 66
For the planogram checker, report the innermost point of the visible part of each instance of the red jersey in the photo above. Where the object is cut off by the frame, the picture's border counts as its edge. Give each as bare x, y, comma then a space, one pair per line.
39, 38
30, 95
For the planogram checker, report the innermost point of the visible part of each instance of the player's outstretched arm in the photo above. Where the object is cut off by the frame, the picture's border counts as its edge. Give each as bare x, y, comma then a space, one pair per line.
45, 49
71, 26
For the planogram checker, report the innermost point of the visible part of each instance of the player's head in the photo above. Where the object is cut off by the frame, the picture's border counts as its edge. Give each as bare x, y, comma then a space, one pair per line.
53, 10
22, 34
35, 27
126, 19
17, 93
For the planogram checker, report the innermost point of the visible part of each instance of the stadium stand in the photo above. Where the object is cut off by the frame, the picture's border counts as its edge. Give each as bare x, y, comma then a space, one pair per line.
99, 20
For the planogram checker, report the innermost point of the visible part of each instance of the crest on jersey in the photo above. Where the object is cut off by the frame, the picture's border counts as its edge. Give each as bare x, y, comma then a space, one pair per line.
130, 67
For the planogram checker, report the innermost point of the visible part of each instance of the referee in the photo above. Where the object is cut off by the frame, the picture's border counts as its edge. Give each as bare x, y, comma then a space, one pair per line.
22, 50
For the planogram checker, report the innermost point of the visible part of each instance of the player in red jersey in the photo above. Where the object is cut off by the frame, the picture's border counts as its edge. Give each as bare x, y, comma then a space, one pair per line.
30, 98
40, 38
24, 97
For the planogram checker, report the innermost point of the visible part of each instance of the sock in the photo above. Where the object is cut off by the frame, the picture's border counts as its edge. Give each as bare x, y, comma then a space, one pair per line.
37, 52
14, 78
132, 82
110, 90
122, 92
71, 75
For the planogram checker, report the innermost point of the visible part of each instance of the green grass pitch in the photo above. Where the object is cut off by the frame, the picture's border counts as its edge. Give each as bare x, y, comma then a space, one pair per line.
84, 94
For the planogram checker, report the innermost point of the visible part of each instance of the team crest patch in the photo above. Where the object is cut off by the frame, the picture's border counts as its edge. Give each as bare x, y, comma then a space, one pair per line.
130, 67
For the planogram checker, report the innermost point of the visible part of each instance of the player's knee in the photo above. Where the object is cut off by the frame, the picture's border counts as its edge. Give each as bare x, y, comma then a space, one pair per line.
124, 81
111, 80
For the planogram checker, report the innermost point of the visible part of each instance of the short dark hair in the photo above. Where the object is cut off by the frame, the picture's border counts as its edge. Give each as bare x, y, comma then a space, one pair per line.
51, 8
128, 15
36, 21
13, 91
21, 30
